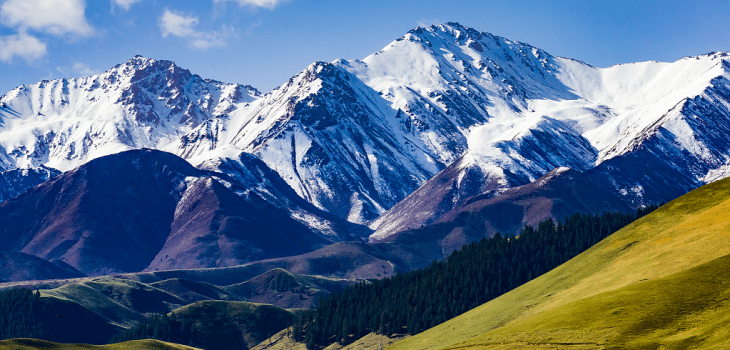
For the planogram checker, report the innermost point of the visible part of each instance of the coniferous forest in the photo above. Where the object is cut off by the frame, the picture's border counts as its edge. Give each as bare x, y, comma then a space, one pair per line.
481, 271
159, 327
17, 316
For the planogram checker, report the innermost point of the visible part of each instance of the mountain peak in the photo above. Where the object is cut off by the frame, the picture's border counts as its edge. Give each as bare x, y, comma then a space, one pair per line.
143, 102
458, 32
150, 65
139, 60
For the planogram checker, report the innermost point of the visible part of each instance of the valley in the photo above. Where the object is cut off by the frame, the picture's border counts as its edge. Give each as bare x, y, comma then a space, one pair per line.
149, 202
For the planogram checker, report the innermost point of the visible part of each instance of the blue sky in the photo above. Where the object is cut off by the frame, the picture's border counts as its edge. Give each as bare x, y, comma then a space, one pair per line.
265, 42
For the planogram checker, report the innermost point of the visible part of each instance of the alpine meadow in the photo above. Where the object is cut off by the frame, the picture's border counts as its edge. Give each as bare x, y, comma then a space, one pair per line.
453, 189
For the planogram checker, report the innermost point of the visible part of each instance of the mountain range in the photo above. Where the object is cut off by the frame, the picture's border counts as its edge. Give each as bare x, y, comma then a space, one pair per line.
659, 282
444, 123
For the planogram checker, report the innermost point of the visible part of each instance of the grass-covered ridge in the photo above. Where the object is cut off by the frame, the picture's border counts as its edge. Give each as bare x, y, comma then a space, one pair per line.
478, 272
648, 275
214, 324
34, 344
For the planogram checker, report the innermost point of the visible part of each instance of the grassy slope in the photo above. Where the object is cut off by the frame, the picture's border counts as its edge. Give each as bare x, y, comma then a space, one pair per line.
303, 290
688, 232
283, 341
684, 310
233, 324
120, 302
32, 344
190, 291
280, 341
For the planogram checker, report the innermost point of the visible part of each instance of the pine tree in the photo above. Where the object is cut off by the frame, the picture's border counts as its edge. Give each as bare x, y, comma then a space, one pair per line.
471, 276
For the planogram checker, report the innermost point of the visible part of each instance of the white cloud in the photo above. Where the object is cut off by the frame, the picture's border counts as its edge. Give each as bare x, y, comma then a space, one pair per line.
180, 25
83, 69
125, 4
57, 17
177, 24
269, 4
425, 23
22, 45
78, 69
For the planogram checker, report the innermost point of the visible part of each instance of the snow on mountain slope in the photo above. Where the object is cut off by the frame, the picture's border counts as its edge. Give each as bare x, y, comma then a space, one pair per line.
355, 137
329, 137
580, 116
437, 116
141, 103
16, 181
247, 175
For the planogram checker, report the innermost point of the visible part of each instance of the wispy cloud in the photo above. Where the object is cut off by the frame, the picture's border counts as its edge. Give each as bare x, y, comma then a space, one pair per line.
428, 22
83, 69
78, 69
178, 24
125, 4
56, 17
22, 45
252, 26
269, 4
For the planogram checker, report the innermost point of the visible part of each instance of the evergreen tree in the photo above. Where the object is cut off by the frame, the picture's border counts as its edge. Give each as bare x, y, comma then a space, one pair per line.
478, 272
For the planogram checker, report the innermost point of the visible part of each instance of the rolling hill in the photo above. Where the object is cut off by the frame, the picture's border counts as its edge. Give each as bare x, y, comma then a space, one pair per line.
657, 282
33, 344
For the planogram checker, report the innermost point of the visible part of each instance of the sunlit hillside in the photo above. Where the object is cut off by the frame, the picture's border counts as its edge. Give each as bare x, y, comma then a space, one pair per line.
659, 281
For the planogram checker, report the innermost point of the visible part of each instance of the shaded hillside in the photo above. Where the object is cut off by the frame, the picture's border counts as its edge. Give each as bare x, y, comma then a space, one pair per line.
18, 266
342, 260
33, 344
214, 325
190, 291
92, 310
25, 314
557, 195
285, 289
146, 209
655, 283
120, 302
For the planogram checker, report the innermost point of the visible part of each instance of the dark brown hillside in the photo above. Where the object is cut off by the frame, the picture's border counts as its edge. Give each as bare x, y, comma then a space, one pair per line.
215, 227
558, 194
119, 212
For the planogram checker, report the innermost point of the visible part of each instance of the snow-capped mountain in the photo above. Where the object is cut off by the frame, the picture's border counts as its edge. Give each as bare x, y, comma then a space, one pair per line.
404, 135
616, 120
355, 137
141, 103
331, 137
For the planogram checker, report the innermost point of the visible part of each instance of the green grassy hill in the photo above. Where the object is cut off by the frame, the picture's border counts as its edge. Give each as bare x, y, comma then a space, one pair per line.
121, 302
288, 290
657, 282
33, 344
214, 325
233, 325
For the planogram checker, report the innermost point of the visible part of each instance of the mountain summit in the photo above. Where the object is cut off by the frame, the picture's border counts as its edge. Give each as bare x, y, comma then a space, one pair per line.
411, 132
141, 103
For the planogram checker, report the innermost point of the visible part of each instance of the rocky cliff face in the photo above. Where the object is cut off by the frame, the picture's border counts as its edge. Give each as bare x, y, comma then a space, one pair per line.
141, 103
399, 138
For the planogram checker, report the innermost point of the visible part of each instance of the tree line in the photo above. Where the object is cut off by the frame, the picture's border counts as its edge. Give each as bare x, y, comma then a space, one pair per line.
160, 327
477, 273
18, 319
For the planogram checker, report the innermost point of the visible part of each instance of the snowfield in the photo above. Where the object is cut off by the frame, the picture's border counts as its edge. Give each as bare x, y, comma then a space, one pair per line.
356, 137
